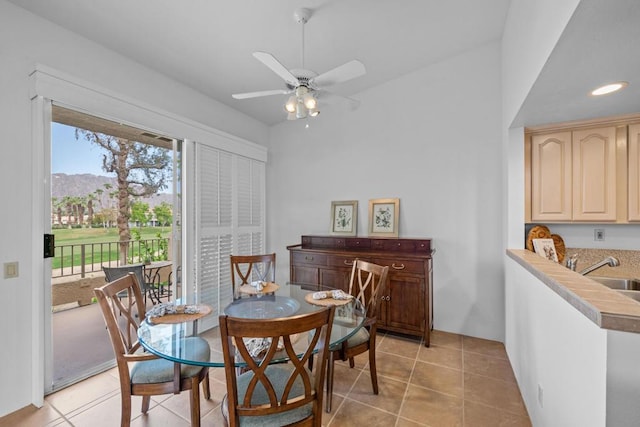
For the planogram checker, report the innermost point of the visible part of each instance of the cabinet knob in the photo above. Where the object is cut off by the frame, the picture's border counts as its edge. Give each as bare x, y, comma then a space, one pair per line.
388, 298
397, 267
347, 262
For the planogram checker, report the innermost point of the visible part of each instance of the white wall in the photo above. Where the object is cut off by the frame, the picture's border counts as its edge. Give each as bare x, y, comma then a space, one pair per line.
24, 42
554, 346
431, 138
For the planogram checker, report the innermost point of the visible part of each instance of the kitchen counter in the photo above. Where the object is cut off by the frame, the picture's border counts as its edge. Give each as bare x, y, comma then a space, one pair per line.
605, 307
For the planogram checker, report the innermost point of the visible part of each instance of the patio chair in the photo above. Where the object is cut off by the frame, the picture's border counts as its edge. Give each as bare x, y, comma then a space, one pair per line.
275, 394
149, 375
113, 273
249, 268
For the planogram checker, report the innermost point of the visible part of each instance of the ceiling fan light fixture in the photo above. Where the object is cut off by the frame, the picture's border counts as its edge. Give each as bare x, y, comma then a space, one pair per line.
314, 112
310, 101
290, 106
301, 111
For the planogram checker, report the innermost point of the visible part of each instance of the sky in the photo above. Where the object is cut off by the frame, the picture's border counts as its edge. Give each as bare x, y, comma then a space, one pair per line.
72, 156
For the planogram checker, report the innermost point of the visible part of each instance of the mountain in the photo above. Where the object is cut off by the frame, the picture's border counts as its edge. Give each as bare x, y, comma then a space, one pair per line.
81, 185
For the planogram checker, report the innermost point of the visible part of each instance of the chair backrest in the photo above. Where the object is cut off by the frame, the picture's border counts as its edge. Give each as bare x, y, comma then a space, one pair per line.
263, 392
113, 273
122, 317
249, 268
366, 280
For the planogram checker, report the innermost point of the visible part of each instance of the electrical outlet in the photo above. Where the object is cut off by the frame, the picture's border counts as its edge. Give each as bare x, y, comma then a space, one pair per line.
598, 235
540, 396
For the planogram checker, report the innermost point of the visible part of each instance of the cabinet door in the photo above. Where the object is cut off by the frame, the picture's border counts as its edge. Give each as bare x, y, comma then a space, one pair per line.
405, 303
551, 177
634, 173
594, 174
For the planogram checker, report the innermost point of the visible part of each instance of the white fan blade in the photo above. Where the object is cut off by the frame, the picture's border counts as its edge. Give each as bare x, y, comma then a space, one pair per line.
344, 72
260, 93
332, 98
275, 66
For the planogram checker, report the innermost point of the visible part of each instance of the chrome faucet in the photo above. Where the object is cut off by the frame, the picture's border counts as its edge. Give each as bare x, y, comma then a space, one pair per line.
571, 262
610, 260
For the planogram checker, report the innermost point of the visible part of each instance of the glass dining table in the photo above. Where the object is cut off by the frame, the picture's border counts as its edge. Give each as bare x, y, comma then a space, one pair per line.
173, 341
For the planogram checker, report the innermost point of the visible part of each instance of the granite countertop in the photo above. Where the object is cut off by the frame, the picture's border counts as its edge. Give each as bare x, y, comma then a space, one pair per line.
604, 306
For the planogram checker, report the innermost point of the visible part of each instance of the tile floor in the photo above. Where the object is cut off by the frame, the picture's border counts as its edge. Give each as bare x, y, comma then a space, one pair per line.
458, 381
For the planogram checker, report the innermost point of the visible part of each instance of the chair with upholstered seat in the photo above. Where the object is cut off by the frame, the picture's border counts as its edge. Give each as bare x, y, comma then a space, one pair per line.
250, 268
366, 280
122, 303
276, 394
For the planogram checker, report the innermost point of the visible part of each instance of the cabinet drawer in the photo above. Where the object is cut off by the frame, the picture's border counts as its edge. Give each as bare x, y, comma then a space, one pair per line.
400, 265
345, 261
309, 258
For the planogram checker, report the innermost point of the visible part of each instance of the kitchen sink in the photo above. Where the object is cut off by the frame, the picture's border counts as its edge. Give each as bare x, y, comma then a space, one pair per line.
618, 283
631, 294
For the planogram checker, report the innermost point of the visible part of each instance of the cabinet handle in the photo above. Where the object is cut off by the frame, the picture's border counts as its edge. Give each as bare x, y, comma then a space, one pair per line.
347, 262
397, 267
308, 258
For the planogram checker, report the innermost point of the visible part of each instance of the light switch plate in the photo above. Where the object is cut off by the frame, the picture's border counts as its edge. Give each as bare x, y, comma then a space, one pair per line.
10, 270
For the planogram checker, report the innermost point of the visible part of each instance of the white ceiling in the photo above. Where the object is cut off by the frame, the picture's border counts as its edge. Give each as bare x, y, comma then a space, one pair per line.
208, 44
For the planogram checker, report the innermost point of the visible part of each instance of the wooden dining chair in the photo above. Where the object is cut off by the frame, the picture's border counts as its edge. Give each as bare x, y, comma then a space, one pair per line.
275, 394
365, 283
149, 375
249, 268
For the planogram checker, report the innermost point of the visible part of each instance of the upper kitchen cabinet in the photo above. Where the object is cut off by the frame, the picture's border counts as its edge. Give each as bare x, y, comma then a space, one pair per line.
579, 174
634, 172
594, 174
551, 177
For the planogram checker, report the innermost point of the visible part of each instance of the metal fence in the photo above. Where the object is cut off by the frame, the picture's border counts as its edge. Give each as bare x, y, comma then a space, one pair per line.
86, 258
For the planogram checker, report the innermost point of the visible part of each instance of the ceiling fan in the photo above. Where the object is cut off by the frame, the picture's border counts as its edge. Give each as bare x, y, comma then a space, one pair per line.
306, 86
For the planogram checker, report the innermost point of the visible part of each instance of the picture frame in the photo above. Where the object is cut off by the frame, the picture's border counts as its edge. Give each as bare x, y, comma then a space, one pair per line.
384, 216
546, 248
344, 218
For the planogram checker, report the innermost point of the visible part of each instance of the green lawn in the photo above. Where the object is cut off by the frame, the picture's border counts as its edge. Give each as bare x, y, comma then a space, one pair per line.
94, 252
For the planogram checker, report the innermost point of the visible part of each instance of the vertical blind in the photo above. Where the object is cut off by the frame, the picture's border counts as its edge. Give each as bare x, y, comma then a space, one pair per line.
230, 219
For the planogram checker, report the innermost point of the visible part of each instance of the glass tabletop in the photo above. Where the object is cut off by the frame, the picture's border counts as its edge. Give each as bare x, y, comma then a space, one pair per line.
172, 341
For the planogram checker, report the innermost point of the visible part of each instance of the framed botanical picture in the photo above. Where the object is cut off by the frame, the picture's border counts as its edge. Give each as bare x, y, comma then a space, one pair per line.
546, 248
344, 217
383, 217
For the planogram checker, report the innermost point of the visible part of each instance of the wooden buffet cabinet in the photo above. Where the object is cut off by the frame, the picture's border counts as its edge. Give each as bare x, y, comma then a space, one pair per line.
406, 300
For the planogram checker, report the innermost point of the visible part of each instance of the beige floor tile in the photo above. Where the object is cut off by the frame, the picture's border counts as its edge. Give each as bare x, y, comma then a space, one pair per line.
494, 367
355, 414
403, 422
439, 355
432, 408
84, 393
180, 403
496, 393
446, 339
213, 418
390, 393
159, 417
335, 405
394, 366
479, 415
400, 345
31, 416
438, 378
106, 413
344, 377
482, 346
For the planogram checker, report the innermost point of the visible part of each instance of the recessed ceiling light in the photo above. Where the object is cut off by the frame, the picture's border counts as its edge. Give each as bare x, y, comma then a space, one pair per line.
609, 88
